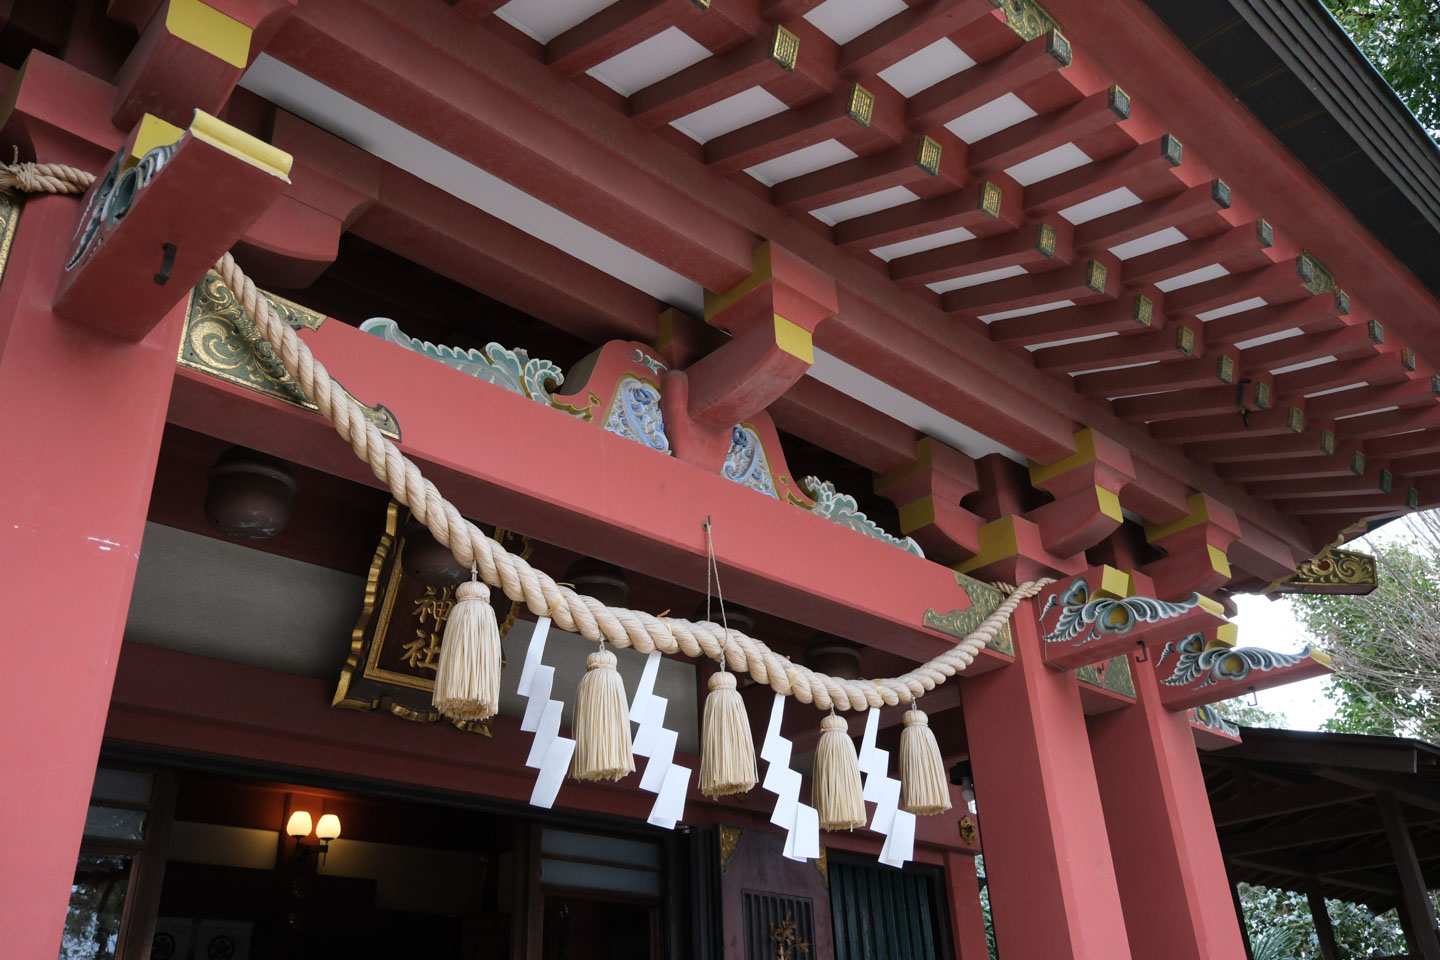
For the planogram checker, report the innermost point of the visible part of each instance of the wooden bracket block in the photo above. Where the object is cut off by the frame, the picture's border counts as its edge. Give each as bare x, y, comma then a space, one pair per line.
1196, 560
1086, 487
928, 493
189, 56
170, 204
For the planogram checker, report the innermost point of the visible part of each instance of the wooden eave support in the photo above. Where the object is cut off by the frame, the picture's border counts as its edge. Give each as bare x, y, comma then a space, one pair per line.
771, 317
983, 207
334, 183
1376, 425
1343, 482
909, 32
1034, 245
622, 25
1316, 439
925, 165
189, 56
1206, 371
1348, 341
1195, 549
1132, 314
1381, 368
1313, 313
1403, 498
1087, 488
832, 420
1420, 395
1223, 401
988, 81
1275, 422
1239, 241
1425, 464
1093, 281
1154, 346
1031, 138
1338, 464
1277, 283
1132, 223
134, 247
1148, 169
928, 492
864, 118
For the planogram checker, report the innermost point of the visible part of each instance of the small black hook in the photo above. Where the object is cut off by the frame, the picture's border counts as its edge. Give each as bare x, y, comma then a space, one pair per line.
167, 262
1144, 654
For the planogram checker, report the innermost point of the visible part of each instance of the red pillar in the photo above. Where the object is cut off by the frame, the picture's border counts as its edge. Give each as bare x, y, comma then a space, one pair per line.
967, 920
1052, 887
1167, 858
84, 413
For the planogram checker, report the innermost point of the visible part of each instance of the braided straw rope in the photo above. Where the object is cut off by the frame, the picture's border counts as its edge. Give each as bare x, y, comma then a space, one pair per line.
521, 582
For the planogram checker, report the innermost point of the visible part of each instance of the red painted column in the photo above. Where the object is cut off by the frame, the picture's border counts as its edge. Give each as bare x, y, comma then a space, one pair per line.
967, 920
84, 413
1053, 894
1162, 836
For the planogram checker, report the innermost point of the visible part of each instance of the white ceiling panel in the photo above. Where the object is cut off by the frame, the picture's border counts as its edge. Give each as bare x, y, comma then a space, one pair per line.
649, 61
1269, 338
844, 20
1149, 243
930, 241
1051, 163
997, 115
1032, 347
1027, 311
1229, 310
1101, 205
1303, 365
927, 67
817, 156
975, 279
858, 207
732, 113
544, 20
1213, 272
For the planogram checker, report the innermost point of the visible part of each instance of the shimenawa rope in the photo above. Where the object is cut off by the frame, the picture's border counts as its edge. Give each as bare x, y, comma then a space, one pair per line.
590, 618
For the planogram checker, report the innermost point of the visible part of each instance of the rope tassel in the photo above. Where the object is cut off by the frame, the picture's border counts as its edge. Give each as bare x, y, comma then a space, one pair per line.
602, 722
727, 750
467, 678
924, 787
836, 791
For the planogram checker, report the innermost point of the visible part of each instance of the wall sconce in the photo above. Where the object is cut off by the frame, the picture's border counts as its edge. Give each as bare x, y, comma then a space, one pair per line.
299, 827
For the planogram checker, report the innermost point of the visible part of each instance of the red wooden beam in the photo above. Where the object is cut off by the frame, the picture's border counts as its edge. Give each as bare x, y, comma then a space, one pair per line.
1238, 241
861, 117
1089, 282
1166, 344
983, 207
1225, 401
1037, 245
925, 165
905, 33
1132, 223
1356, 338
1278, 422
760, 61
1277, 283
1149, 165
614, 30
1134, 314
1318, 438
1381, 368
1311, 314
1043, 133
1204, 371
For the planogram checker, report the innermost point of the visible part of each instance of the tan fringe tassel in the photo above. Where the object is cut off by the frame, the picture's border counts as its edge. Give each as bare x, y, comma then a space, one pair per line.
602, 722
924, 787
467, 678
727, 751
836, 792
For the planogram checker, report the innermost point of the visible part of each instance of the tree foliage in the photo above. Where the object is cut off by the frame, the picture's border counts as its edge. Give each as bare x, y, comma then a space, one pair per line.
1402, 39
1386, 646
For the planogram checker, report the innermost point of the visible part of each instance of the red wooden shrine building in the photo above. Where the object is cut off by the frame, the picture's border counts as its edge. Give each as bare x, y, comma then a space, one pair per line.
904, 298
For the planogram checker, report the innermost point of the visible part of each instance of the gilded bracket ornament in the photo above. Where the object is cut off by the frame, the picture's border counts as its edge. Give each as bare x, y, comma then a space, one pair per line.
1332, 571
960, 623
221, 342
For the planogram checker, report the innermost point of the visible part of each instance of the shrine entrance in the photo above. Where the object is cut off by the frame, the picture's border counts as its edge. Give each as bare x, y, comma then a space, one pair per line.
184, 863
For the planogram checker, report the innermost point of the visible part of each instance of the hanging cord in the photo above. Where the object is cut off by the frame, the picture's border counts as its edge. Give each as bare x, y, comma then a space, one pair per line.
712, 570
512, 574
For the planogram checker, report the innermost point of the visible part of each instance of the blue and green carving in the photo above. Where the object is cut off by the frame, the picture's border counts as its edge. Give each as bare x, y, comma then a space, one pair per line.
1089, 619
1234, 664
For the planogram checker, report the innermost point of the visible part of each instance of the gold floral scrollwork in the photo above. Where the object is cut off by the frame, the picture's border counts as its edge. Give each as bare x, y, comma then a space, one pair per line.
785, 934
969, 831
220, 341
822, 865
1026, 17
729, 840
960, 623
1332, 571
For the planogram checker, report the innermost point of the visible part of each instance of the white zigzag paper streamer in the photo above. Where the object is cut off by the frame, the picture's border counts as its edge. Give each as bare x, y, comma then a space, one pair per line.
662, 777
799, 820
895, 825
550, 753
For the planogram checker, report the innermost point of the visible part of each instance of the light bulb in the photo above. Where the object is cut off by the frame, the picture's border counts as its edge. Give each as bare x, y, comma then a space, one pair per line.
328, 828
299, 824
